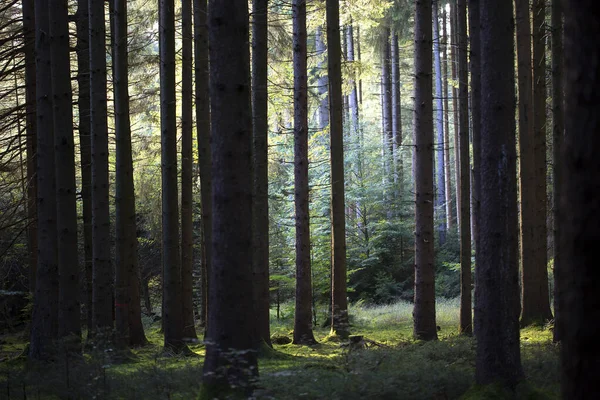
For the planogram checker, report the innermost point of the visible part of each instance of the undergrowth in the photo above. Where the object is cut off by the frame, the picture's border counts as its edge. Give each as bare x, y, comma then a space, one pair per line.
388, 364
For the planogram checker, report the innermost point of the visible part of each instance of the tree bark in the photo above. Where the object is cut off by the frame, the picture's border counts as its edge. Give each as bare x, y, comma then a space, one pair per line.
455, 105
322, 81
440, 198
260, 210
397, 115
579, 206
447, 156
498, 358
231, 363
339, 303
303, 333
424, 308
466, 324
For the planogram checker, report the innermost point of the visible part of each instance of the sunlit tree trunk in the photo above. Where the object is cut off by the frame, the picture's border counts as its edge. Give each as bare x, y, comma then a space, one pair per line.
396, 114
440, 198
447, 157
322, 81
455, 107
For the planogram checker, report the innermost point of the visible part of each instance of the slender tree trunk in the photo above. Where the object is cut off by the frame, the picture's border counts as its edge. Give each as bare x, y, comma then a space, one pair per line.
360, 89
44, 321
204, 156
339, 302
466, 324
541, 294
526, 162
475, 67
397, 115
64, 150
303, 333
128, 313
172, 297
455, 105
83, 106
187, 162
31, 131
498, 358
386, 82
447, 158
322, 81
231, 363
579, 207
424, 310
260, 210
440, 198
557, 144
103, 275
353, 96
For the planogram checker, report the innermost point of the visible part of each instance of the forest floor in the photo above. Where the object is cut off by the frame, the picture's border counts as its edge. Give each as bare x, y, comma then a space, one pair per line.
387, 364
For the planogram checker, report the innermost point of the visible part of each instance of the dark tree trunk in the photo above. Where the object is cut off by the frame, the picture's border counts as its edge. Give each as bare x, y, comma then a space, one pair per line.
455, 105
103, 275
466, 319
64, 150
397, 114
172, 296
187, 163
31, 132
447, 158
541, 295
44, 321
474, 59
557, 140
201, 72
231, 363
322, 81
440, 198
424, 310
85, 150
579, 204
498, 357
339, 302
303, 333
128, 312
260, 211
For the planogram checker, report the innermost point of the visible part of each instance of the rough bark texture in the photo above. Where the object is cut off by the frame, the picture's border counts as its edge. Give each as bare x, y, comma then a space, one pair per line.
66, 208
424, 309
187, 163
103, 275
339, 299
231, 360
558, 128
128, 313
541, 296
447, 156
526, 162
171, 261
44, 321
201, 71
303, 333
498, 358
260, 210
466, 324
440, 178
85, 150
474, 67
580, 204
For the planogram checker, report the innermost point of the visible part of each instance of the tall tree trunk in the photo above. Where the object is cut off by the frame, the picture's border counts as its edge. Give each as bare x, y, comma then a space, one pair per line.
475, 67
397, 115
44, 321
303, 333
353, 96
360, 89
455, 105
31, 131
541, 294
440, 198
447, 158
85, 150
231, 364
172, 298
187, 162
498, 358
526, 162
339, 302
579, 207
260, 210
128, 313
322, 81
64, 150
201, 72
424, 309
386, 100
466, 319
103, 275
557, 140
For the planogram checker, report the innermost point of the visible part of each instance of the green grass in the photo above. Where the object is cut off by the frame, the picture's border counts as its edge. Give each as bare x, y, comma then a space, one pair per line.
393, 366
